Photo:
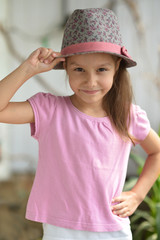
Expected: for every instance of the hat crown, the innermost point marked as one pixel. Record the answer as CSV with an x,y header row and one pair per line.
x,y
92,25
93,30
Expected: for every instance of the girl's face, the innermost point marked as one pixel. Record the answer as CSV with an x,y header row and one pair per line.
x,y
91,76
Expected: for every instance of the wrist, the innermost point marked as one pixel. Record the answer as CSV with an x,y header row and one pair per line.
x,y
27,70
139,196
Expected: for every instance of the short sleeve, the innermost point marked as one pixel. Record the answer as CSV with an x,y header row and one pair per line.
x,y
43,105
140,125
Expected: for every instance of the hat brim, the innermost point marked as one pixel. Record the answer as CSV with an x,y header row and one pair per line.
x,y
97,47
128,62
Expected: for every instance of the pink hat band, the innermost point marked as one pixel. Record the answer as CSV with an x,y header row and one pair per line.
x,y
91,47
93,30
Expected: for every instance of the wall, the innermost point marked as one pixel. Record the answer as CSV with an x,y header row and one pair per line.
x,y
33,23
5,167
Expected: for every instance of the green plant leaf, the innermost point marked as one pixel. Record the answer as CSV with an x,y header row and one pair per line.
x,y
155,191
158,219
152,237
143,227
151,204
139,214
159,132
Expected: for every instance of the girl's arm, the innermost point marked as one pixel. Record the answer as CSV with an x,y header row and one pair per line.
x,y
39,61
127,202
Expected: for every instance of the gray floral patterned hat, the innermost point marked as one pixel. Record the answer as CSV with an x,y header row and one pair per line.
x,y
93,30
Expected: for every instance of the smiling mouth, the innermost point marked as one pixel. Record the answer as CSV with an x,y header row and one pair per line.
x,y
90,91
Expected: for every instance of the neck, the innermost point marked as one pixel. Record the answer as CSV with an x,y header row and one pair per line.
x,y
91,109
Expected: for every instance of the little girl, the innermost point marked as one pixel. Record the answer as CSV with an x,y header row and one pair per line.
x,y
84,139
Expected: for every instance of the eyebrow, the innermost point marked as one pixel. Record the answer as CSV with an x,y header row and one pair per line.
x,y
105,64
74,63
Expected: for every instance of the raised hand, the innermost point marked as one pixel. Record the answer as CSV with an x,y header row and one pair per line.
x,y
43,60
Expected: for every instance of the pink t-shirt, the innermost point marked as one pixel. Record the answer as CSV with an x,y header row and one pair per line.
x,y
82,165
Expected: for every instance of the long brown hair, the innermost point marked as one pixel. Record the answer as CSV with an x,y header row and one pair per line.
x,y
117,102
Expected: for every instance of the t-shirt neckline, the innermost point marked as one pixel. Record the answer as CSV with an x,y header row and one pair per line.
x,y
84,115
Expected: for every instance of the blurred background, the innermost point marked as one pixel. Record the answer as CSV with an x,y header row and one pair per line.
x,y
27,25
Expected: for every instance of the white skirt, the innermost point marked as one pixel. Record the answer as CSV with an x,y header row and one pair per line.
x,y
57,233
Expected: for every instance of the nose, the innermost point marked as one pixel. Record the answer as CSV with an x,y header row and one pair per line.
x,y
91,80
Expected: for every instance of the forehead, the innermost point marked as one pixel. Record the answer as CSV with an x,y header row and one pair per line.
x,y
91,58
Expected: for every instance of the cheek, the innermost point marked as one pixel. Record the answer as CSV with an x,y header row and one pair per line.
x,y
73,84
108,82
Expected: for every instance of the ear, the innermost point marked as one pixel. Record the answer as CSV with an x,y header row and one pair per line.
x,y
118,63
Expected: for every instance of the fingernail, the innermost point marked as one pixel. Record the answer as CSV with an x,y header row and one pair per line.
x,y
54,55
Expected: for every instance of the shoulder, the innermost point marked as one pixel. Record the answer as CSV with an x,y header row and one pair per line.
x,y
41,97
138,114
136,110
46,99
44,106
47,103
140,124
